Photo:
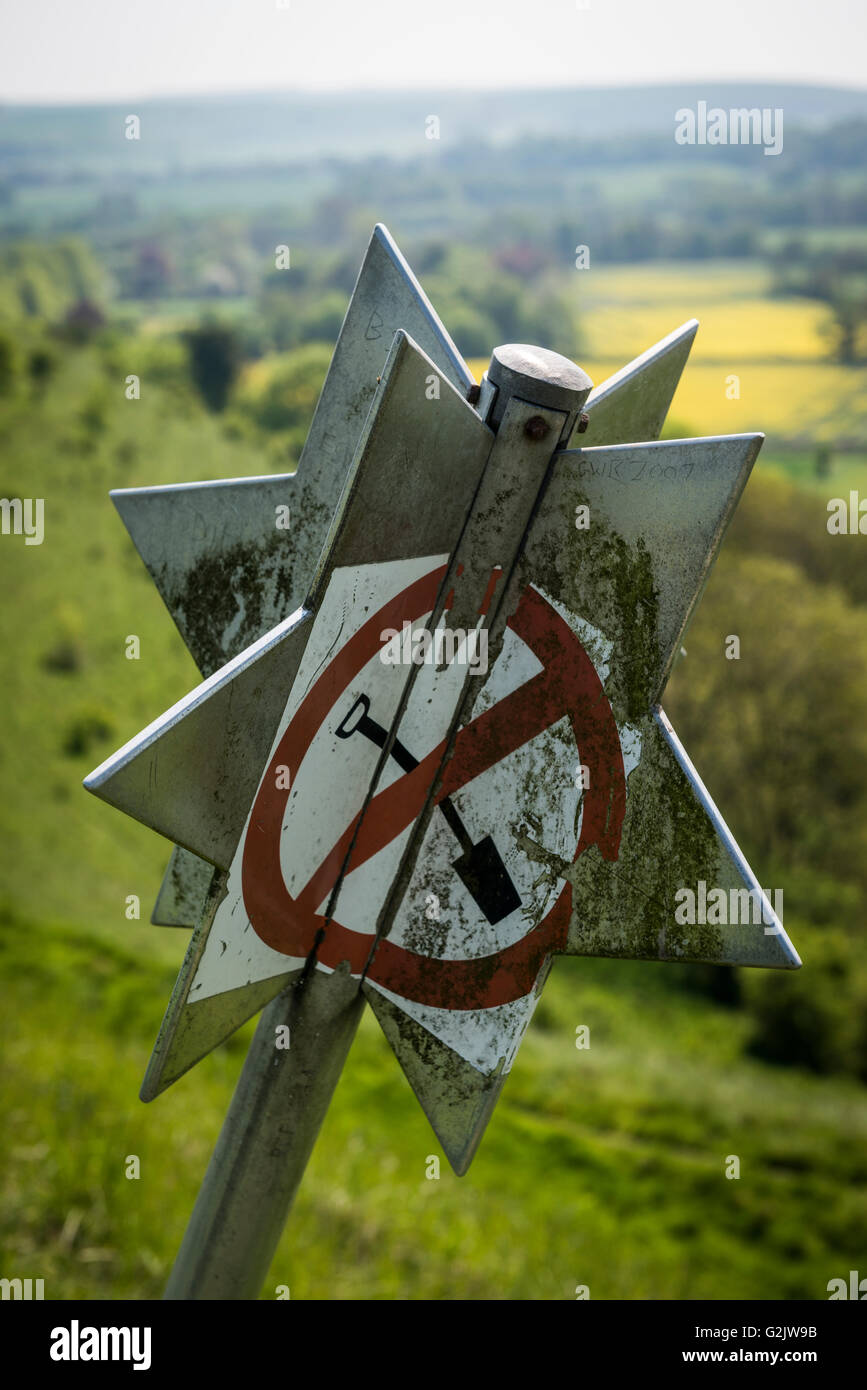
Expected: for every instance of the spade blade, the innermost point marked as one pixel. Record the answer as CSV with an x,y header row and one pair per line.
x,y
483,874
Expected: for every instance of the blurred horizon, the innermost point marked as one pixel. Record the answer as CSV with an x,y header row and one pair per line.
x,y
292,129
300,92
105,51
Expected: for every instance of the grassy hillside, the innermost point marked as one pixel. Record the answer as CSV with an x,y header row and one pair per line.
x,y
603,1167
70,694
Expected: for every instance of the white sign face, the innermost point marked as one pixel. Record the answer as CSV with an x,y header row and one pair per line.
x,y
318,793
480,916
463,957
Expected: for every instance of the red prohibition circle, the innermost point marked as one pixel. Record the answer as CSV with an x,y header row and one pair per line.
x,y
568,685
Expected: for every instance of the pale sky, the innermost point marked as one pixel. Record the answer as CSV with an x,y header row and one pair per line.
x,y
111,50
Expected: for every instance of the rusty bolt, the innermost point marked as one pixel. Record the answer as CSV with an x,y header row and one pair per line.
x,y
473,393
583,422
536,427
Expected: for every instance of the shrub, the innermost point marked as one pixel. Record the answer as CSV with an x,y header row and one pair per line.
x,y
215,360
814,1017
89,726
289,398
7,364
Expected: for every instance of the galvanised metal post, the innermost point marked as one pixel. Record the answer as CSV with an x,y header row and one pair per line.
x,y
283,1094
267,1137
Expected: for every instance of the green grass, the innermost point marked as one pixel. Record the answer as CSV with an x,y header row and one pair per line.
x,y
79,595
603,1167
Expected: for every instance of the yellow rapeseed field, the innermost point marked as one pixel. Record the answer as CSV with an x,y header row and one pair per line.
x,y
758,363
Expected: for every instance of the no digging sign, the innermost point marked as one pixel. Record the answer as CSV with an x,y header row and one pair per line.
x,y
469,940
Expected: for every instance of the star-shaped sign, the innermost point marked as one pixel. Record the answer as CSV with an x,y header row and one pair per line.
x,y
228,574
448,764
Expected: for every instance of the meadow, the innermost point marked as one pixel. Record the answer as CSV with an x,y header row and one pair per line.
x,y
603,1167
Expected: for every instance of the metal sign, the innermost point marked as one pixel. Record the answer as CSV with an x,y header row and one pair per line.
x,y
199,540
448,764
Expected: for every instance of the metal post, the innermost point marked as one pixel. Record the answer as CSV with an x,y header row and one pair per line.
x,y
267,1137
282,1095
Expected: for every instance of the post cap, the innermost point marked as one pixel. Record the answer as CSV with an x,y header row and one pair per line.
x,y
538,375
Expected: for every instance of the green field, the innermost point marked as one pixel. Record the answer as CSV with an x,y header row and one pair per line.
x,y
603,1167
757,363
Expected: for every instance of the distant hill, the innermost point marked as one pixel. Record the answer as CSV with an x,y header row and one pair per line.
x,y
206,132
